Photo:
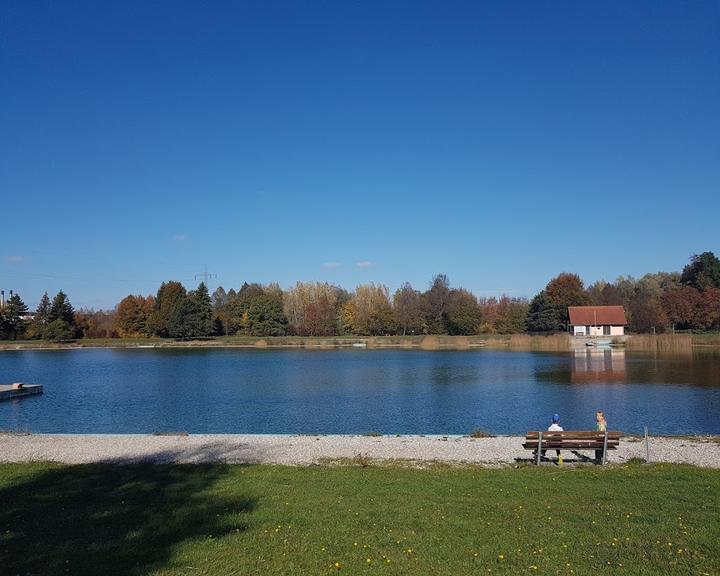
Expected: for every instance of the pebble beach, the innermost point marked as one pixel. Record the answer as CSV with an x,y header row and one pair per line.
x,y
301,450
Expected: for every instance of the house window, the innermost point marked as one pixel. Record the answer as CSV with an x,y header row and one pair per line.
x,y
606,330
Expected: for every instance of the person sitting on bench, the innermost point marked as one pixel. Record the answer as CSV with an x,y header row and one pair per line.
x,y
554,427
600,426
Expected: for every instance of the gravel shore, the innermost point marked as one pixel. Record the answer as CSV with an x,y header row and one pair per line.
x,y
307,450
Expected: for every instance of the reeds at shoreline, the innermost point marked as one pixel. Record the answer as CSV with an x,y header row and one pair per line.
x,y
660,342
549,343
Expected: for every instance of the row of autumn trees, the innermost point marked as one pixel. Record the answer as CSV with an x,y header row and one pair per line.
x,y
687,300
317,309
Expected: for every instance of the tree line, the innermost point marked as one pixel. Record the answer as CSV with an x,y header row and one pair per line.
x,y
317,309
664,301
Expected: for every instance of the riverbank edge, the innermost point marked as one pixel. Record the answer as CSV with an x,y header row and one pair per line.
x,y
520,342
308,450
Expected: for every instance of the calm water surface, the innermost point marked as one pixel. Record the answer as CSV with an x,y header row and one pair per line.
x,y
358,391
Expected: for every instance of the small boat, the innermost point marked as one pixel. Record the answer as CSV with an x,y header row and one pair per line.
x,y
604,343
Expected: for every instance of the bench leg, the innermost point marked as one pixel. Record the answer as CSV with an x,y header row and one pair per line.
x,y
604,453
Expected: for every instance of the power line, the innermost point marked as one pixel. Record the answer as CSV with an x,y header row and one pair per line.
x,y
205,276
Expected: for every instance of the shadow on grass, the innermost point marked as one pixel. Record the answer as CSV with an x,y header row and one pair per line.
x,y
109,519
579,458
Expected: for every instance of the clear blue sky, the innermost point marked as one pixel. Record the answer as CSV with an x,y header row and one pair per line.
x,y
499,143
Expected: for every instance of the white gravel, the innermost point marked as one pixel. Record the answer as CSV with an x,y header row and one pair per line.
x,y
307,450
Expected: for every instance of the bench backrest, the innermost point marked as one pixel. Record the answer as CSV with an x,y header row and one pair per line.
x,y
584,436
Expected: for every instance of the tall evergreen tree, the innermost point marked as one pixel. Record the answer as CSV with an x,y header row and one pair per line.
x,y
61,309
240,307
13,316
169,297
182,324
543,315
193,317
40,319
203,309
266,317
60,319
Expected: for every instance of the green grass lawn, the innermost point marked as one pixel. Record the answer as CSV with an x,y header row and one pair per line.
x,y
145,519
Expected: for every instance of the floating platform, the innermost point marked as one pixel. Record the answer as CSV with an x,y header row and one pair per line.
x,y
10,391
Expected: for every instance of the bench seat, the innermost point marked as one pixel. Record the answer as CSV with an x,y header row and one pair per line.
x,y
540,440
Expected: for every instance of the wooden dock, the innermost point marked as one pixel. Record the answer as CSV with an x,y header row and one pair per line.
x,y
10,391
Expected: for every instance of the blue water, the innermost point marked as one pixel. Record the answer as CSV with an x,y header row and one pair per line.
x,y
357,391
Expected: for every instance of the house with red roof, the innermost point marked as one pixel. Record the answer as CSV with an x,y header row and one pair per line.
x,y
597,320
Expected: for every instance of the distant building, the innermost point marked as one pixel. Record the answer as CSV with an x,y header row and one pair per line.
x,y
597,320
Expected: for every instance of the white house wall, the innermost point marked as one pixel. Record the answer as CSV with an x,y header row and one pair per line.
x,y
598,331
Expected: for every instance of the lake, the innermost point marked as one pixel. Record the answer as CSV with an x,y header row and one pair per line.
x,y
358,391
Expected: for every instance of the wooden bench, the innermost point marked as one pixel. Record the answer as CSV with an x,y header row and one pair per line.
x,y
542,440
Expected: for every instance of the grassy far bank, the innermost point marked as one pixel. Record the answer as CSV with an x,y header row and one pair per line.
x,y
441,342
144,519
555,342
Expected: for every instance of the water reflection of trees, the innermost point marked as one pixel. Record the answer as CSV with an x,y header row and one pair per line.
x,y
615,366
